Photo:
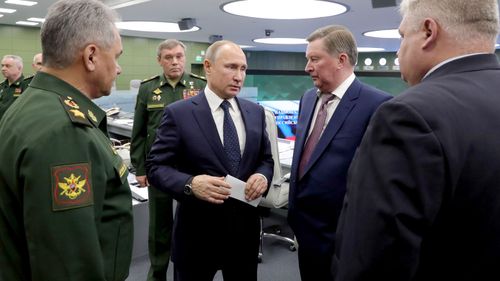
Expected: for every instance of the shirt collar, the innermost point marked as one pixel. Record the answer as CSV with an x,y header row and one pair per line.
x,y
447,61
342,88
214,101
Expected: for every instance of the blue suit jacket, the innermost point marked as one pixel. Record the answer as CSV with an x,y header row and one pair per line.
x,y
187,144
315,200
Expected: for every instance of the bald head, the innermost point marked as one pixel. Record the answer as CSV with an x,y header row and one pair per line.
x,y
37,62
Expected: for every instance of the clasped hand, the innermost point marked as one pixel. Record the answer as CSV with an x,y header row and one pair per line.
x,y
216,190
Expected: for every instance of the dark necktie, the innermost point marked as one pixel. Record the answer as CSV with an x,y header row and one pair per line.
x,y
313,139
231,143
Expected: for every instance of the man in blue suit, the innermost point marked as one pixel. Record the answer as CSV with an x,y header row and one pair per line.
x,y
198,143
423,193
332,120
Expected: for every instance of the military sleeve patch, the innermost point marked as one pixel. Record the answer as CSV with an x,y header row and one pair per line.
x,y
71,187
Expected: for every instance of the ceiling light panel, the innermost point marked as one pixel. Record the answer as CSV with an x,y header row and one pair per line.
x,y
284,9
29,23
151,26
7,11
21,2
370,49
37,19
386,33
281,41
116,4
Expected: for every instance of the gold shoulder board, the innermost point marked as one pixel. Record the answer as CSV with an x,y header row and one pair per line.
x,y
150,78
198,76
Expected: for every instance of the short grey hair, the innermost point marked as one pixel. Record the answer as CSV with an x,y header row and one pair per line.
x,y
169,44
70,25
17,59
337,39
463,19
213,50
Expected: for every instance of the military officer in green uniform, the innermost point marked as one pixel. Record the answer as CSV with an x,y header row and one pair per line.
x,y
13,86
65,203
154,94
36,65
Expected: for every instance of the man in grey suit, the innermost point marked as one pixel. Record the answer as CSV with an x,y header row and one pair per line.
x,y
195,148
328,134
423,193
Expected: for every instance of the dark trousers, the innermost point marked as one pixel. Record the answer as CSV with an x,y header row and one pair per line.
x,y
160,233
314,267
234,272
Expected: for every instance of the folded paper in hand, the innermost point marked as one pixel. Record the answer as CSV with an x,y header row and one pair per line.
x,y
238,190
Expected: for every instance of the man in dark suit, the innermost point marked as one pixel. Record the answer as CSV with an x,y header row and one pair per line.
x,y
332,120
199,142
423,194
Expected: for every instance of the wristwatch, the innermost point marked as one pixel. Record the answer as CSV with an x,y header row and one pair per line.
x,y
188,190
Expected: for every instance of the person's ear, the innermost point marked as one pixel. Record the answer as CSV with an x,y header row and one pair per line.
x,y
90,57
207,65
431,32
343,59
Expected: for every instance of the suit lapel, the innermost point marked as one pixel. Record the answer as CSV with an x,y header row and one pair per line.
x,y
250,141
206,124
345,106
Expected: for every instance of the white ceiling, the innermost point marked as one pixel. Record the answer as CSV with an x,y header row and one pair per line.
x,y
360,17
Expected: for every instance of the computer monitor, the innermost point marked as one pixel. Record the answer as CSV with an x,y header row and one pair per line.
x,y
287,113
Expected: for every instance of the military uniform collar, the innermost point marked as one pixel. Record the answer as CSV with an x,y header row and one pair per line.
x,y
183,80
15,84
18,81
71,97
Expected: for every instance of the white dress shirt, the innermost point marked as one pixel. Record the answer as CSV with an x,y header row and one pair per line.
x,y
331,105
214,101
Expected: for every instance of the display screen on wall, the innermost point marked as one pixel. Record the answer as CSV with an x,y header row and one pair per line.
x,y
291,85
280,91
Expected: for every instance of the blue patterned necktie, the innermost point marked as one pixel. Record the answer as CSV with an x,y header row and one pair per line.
x,y
231,142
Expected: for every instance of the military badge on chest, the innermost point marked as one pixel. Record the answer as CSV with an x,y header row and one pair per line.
x,y
17,92
156,100
190,91
157,95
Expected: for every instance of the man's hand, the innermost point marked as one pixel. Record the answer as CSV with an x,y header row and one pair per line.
x,y
142,181
212,189
255,187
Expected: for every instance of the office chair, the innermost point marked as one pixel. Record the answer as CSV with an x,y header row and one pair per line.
x,y
277,196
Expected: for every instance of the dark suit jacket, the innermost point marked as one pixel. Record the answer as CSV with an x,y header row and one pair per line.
x,y
187,145
423,195
315,200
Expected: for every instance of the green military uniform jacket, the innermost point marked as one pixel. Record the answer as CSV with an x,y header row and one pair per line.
x,y
65,203
154,94
9,93
27,80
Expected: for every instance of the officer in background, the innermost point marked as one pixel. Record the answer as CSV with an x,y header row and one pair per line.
x,y
13,85
36,65
154,94
37,62
65,202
